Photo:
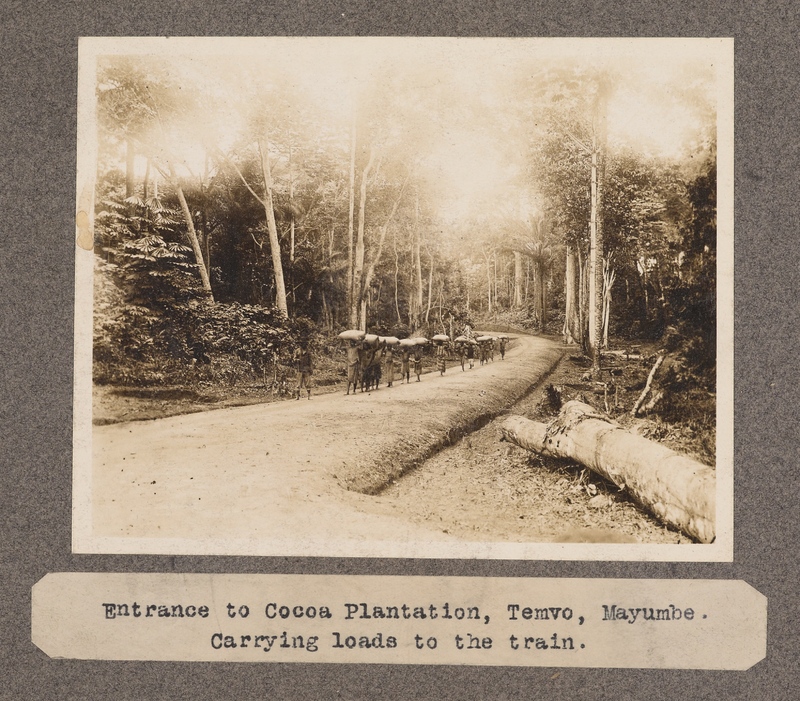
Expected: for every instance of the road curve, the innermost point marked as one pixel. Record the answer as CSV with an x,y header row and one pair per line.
x,y
270,479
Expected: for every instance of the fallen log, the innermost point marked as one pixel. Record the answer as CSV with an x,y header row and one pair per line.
x,y
678,490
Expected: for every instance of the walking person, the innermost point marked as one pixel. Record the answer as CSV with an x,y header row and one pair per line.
x,y
462,354
405,365
353,365
503,341
471,354
441,365
375,368
366,355
304,366
389,369
418,362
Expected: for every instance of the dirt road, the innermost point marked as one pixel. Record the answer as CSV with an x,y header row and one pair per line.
x,y
279,478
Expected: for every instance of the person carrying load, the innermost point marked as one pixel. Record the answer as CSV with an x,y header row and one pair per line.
x,y
484,344
390,344
418,362
353,339
419,345
440,340
471,353
461,344
406,347
503,341
371,355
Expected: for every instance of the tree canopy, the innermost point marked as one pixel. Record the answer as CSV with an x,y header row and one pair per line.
x,y
400,185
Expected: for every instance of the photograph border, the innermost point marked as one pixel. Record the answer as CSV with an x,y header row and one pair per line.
x,y
83,540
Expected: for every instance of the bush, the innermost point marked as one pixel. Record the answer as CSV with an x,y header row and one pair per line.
x,y
187,341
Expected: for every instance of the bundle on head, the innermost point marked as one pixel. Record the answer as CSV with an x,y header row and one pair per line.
x,y
352,335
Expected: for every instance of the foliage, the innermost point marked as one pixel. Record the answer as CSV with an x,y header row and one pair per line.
x,y
197,125
692,298
150,267
151,319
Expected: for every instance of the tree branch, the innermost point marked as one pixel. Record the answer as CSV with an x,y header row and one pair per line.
x,y
384,229
241,177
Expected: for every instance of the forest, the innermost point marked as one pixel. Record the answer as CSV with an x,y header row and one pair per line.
x,y
245,204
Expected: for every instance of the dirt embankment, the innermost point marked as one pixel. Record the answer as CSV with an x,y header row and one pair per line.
x,y
418,423
484,489
276,471
434,415
505,493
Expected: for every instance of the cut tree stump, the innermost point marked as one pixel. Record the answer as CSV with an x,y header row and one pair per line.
x,y
678,490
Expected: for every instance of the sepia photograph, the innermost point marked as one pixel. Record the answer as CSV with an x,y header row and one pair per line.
x,y
405,297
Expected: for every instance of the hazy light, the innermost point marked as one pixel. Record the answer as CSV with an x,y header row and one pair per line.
x,y
653,127
451,103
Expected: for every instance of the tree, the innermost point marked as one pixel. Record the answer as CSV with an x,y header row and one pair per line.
x,y
142,103
532,239
596,228
357,294
269,209
361,293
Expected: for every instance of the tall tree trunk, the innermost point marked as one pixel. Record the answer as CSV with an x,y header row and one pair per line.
x,y
527,277
430,288
495,280
419,287
192,233
418,257
440,300
206,234
333,310
396,280
274,244
488,283
609,275
292,233
583,303
362,315
537,293
351,217
356,309
593,256
518,280
418,294
572,328
147,181
598,302
291,210
596,223
377,257
326,320
543,291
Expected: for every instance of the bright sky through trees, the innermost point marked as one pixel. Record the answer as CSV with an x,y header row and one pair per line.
x,y
465,100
